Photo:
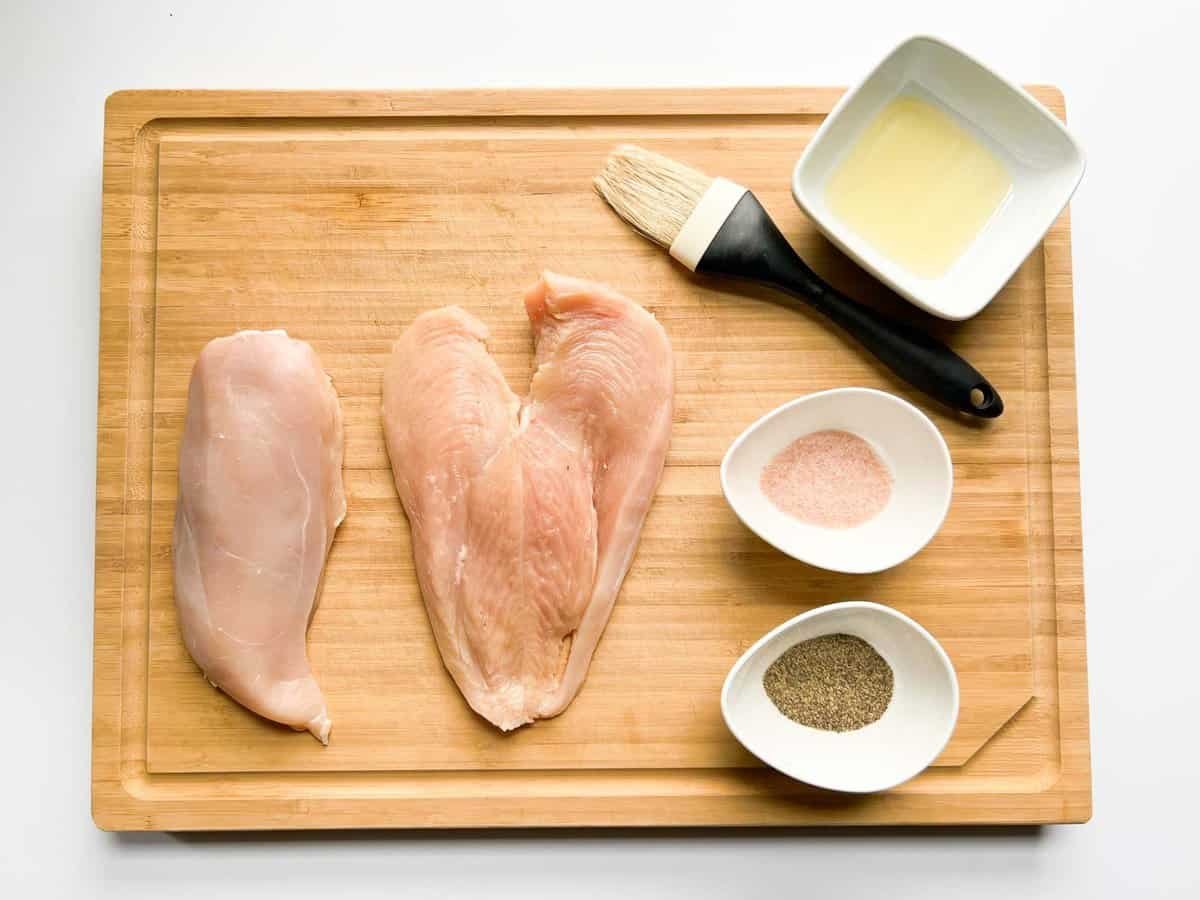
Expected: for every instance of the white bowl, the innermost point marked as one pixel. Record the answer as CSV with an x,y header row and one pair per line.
x,y
904,438
906,739
1043,160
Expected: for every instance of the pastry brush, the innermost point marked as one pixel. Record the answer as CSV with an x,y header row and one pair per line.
x,y
716,227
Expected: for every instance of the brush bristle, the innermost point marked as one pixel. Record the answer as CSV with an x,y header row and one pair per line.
x,y
653,193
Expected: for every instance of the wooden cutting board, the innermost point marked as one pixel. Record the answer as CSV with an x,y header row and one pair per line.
x,y
340,217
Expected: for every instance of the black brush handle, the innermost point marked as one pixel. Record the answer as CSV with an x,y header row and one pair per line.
x,y
749,245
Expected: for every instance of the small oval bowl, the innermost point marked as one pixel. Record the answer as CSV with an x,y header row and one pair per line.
x,y
899,745
905,439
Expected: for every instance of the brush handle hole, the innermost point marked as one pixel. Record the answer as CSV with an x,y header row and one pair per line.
x,y
982,396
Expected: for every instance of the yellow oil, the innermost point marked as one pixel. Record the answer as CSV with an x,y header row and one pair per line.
x,y
918,186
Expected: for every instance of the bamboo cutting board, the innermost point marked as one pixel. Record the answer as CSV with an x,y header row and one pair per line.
x,y
340,217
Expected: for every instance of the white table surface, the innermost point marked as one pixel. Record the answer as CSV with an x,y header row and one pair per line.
x,y
1126,75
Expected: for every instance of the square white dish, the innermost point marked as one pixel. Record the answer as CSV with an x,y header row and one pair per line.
x,y
1043,160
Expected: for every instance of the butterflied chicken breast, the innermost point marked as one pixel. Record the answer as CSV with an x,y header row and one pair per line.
x,y
260,496
525,514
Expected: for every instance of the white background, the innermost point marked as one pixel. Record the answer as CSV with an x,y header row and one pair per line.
x,y
1129,73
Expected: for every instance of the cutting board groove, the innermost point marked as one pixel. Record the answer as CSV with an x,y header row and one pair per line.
x,y
341,216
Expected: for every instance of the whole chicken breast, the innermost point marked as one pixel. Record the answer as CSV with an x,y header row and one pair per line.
x,y
260,496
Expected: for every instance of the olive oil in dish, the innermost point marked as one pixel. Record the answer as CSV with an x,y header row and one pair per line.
x,y
918,186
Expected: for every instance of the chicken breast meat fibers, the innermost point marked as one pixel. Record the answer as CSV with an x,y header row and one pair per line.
x,y
525,513
260,496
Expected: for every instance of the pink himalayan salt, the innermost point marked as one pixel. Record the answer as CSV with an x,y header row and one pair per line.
x,y
829,478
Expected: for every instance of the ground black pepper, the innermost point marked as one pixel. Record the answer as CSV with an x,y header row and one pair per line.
x,y
835,682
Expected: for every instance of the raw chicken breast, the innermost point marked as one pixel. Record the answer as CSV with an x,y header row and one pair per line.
x,y
525,515
260,496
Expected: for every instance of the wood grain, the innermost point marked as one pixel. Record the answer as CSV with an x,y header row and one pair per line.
x,y
342,216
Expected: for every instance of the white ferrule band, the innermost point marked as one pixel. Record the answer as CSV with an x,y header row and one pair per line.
x,y
705,221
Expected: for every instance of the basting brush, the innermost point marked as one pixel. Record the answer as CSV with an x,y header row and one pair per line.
x,y
716,227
